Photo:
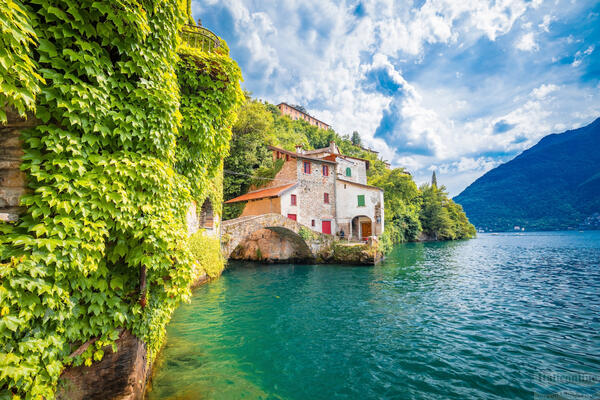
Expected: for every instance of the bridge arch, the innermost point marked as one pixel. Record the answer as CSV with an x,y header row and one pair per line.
x,y
273,244
273,227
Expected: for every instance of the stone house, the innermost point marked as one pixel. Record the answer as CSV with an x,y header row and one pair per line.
x,y
322,189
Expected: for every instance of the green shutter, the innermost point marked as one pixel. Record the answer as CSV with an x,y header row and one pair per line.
x,y
348,172
361,200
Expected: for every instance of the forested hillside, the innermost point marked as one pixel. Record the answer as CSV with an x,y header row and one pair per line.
x,y
409,210
553,185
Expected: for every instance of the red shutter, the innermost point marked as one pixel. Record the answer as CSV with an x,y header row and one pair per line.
x,y
326,198
326,227
293,199
306,167
292,216
325,170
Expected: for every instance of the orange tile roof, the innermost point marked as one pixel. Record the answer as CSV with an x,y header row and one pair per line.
x,y
261,194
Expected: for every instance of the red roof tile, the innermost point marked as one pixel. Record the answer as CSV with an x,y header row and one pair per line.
x,y
261,194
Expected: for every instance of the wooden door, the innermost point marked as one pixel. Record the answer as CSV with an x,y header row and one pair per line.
x,y
292,216
326,227
365,228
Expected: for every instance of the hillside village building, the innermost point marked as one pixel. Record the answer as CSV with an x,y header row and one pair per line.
x,y
296,114
322,189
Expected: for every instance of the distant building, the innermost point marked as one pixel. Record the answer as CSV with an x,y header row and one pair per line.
x,y
322,189
370,150
296,114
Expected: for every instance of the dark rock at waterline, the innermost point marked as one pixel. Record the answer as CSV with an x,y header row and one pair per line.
x,y
119,375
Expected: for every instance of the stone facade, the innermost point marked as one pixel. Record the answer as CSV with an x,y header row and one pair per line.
x,y
312,209
12,179
287,174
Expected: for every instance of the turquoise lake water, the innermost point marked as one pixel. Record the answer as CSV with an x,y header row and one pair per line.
x,y
508,316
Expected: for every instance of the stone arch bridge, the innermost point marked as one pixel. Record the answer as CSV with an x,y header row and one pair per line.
x,y
272,237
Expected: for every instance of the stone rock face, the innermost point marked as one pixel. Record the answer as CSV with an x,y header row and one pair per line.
x,y
121,375
12,180
351,253
269,245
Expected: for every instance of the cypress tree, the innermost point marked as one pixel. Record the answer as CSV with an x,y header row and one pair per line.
x,y
433,179
356,140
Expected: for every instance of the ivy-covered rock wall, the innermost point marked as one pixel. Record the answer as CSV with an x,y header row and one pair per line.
x,y
129,135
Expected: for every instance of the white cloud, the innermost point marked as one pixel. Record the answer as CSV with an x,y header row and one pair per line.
x,y
317,53
542,91
580,55
527,42
545,25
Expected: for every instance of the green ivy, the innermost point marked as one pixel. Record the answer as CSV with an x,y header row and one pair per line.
x,y
19,81
112,169
206,250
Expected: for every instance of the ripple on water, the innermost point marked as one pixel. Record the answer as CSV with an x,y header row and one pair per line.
x,y
479,319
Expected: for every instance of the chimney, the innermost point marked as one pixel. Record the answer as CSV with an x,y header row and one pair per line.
x,y
299,149
332,147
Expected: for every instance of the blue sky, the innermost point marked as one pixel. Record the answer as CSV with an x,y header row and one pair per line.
x,y
455,86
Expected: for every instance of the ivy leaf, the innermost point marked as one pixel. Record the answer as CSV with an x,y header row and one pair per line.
x,y
116,282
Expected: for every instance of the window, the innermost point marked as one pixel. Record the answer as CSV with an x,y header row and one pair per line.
x,y
361,200
306,167
287,157
326,198
348,171
325,170
293,199
312,222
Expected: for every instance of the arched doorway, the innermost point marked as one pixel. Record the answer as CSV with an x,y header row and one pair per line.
x,y
362,228
206,219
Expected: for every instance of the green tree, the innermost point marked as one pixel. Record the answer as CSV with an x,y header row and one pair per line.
x,y
434,217
433,179
356,139
248,152
402,204
441,218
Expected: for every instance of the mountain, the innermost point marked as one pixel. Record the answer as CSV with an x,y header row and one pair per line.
x,y
553,185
